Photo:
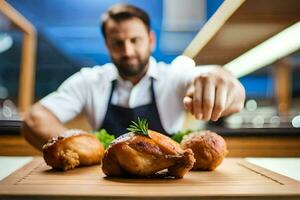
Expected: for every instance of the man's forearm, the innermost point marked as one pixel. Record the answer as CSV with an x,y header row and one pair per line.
x,y
40,125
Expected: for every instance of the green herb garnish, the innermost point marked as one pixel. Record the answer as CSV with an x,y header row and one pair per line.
x,y
104,137
180,134
139,127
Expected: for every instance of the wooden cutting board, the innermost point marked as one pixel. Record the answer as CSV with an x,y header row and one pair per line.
x,y
234,179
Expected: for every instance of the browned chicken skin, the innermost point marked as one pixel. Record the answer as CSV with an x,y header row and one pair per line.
x,y
71,149
141,155
208,147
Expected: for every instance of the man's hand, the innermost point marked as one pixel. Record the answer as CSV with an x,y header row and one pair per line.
x,y
214,94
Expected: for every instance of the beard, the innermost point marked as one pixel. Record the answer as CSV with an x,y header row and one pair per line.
x,y
131,66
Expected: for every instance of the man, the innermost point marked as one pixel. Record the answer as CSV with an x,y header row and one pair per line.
x,y
135,85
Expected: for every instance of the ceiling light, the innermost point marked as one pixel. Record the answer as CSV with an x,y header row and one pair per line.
x,y
6,42
280,45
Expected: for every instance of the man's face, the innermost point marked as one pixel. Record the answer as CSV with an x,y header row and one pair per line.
x,y
130,45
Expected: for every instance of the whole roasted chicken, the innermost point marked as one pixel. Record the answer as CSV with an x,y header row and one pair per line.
x,y
145,153
72,149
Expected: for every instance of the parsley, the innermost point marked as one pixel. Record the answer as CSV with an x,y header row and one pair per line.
x,y
180,134
104,137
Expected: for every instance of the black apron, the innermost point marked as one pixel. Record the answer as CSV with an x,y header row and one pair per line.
x,y
118,118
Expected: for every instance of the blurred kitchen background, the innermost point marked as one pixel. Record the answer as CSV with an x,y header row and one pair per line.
x,y
68,38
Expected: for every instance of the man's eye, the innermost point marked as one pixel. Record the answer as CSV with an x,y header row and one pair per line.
x,y
116,43
135,40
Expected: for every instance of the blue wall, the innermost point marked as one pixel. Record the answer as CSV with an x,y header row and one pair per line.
x,y
70,38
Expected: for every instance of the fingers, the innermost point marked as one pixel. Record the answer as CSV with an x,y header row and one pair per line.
x,y
235,102
197,98
188,104
188,99
221,102
208,99
214,95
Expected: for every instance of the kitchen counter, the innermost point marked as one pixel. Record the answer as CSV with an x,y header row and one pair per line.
x,y
9,164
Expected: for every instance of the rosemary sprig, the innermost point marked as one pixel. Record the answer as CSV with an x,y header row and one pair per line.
x,y
139,127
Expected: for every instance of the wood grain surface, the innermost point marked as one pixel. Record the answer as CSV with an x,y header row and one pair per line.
x,y
234,179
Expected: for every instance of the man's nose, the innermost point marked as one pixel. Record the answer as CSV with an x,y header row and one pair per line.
x,y
128,48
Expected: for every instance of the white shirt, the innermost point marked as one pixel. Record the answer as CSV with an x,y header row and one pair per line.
x,y
88,91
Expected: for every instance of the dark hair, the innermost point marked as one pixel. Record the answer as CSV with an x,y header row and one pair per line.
x,y
121,12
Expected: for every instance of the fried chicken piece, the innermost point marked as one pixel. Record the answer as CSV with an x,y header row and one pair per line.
x,y
141,155
209,149
72,149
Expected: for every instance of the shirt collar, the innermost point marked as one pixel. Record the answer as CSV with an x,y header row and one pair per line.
x,y
152,70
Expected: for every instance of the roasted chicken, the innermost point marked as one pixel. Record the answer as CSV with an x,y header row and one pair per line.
x,y
145,155
71,149
208,147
